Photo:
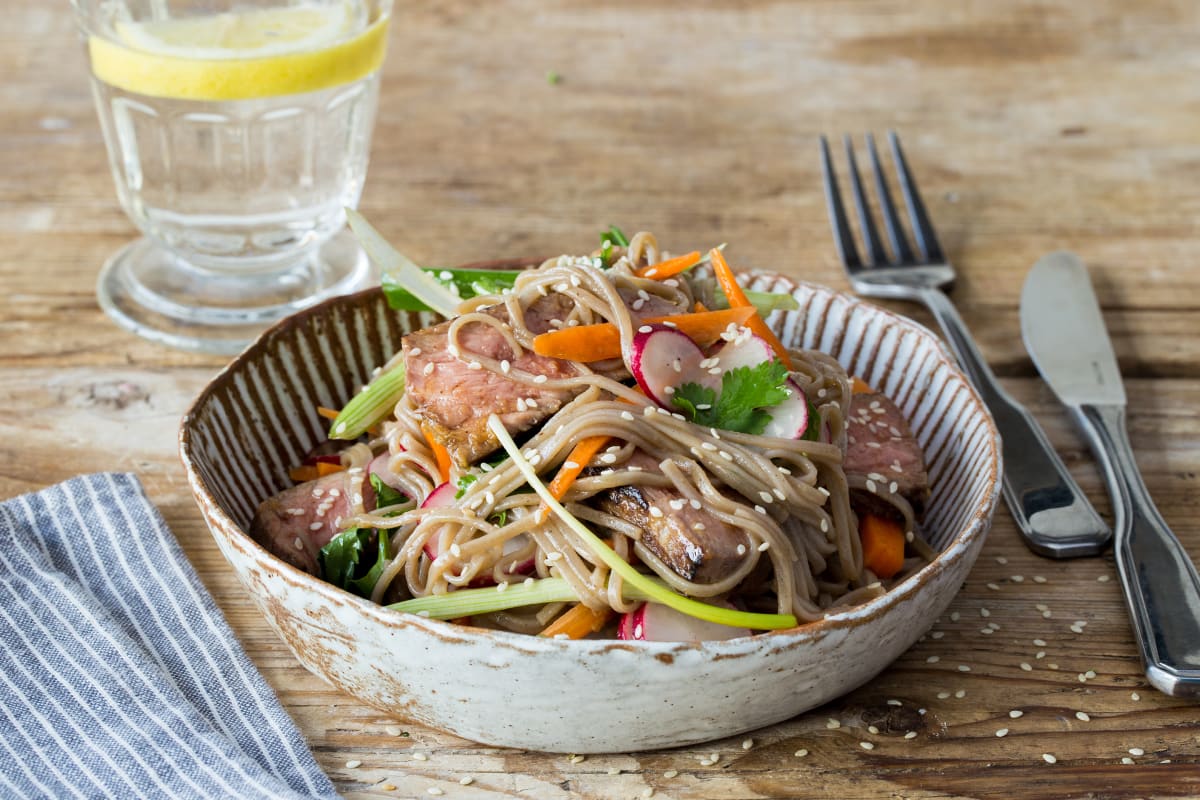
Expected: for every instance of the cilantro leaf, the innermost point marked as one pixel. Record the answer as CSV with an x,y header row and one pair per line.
x,y
385,495
813,432
342,559
746,393
615,235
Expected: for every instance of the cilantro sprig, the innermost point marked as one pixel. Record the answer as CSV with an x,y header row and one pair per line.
x,y
746,394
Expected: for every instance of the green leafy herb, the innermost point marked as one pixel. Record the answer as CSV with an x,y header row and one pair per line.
x,y
342,560
614,235
462,283
464,482
385,495
746,393
813,432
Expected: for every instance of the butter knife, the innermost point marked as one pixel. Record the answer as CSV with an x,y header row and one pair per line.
x,y
1065,334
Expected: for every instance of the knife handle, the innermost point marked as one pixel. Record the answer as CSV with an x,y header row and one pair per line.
x,y
1158,578
1052,514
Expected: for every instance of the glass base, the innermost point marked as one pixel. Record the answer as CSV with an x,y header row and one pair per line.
x,y
152,292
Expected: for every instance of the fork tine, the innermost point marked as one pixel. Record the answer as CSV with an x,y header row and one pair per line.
x,y
891,219
842,234
922,227
878,256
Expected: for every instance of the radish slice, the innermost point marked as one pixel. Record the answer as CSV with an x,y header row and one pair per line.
x,y
745,351
789,419
661,359
441,497
654,622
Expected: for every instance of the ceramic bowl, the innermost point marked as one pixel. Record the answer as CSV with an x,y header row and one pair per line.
x,y
258,417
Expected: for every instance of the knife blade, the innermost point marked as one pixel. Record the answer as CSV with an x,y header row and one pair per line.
x,y
1065,335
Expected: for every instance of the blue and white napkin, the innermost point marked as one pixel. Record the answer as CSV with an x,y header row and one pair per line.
x,y
119,677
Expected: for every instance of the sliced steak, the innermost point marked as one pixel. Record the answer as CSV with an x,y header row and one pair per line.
x,y
454,401
695,544
881,448
284,523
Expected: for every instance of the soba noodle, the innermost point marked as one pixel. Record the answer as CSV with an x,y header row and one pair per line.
x,y
790,497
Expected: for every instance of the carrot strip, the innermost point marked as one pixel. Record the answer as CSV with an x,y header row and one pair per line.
x,y
882,544
602,341
737,299
327,413
439,452
672,266
310,472
577,622
583,452
859,386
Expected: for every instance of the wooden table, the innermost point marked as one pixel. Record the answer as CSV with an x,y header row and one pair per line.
x,y
1032,126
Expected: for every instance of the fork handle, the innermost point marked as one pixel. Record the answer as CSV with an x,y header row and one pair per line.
x,y
1053,515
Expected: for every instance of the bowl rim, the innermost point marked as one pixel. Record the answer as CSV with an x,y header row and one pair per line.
x,y
768,641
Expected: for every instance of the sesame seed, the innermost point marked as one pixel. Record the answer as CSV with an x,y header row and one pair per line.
x,y
963,668
1103,579
1134,696
1002,733
760,509
983,612
1127,760
1082,716
893,486
1026,666
943,695
1001,560
933,659
832,724
298,543
353,763
741,549
993,587
937,634
655,512
316,526
1091,673
867,745
801,753
954,616
894,703
455,550
871,486
747,744
1016,713
474,365
466,780
625,415
540,379
1049,758
435,791
1039,578
725,454
608,458
394,730
1040,642
762,548
420,757
671,773
766,497
910,735
960,694
1136,751
872,729
645,329
694,503
575,759
824,525
428,369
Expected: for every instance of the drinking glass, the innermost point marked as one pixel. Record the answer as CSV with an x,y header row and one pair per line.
x,y
238,132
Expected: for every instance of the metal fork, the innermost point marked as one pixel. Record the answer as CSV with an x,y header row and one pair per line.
x,y
1050,510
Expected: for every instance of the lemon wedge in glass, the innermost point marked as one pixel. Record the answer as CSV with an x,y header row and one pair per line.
x,y
241,54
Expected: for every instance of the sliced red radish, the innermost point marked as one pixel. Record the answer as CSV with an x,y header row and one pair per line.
x,y
441,497
379,468
662,358
747,350
654,622
789,419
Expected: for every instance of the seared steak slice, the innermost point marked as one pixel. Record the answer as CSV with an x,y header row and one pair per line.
x,y
695,544
284,524
454,401
882,449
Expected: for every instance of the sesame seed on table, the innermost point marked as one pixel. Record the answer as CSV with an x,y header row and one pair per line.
x,y
1031,127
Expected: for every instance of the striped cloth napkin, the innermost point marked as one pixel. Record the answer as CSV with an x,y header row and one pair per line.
x,y
119,677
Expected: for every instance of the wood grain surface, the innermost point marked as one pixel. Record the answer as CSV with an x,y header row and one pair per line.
x,y
1031,125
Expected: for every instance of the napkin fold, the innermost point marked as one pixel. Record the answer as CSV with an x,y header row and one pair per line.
x,y
119,677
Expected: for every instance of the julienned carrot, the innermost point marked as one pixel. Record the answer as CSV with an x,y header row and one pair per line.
x,y
672,266
577,622
737,299
310,472
859,386
583,452
328,413
439,452
602,341
882,544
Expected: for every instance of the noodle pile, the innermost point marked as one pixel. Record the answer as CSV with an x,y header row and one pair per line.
x,y
789,497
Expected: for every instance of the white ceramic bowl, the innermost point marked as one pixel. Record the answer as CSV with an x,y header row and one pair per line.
x,y
258,417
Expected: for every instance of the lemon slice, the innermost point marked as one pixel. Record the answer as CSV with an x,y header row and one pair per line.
x,y
240,55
